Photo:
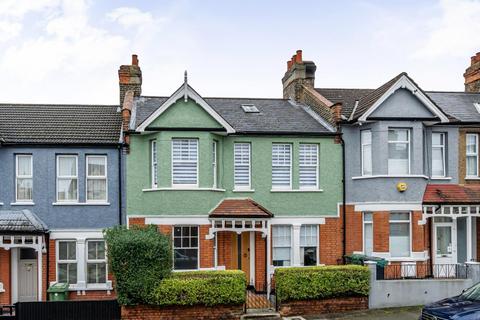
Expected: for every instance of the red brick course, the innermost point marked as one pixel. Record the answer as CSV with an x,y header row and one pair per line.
x,y
381,231
5,276
331,241
354,225
181,312
317,307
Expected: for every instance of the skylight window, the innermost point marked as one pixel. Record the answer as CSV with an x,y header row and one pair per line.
x,y
249,108
477,106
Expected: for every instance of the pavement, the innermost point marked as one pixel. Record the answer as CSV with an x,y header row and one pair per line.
x,y
405,313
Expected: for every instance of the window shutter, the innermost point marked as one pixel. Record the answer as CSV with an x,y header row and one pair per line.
x,y
242,165
281,165
308,165
184,161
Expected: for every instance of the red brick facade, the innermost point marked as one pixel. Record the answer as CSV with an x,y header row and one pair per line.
x,y
181,313
5,276
315,307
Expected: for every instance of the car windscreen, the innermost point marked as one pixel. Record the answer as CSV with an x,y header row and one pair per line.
x,y
472,293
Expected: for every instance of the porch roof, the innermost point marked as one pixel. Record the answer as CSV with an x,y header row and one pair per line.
x,y
451,194
21,222
239,208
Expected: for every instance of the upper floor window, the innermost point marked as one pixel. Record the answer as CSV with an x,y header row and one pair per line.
x,y
242,165
472,155
185,162
281,166
438,154
154,163
399,234
398,151
97,178
308,166
96,262
67,178
214,163
308,245
24,178
281,245
366,145
185,247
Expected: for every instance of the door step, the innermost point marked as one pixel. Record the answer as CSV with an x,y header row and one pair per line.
x,y
261,314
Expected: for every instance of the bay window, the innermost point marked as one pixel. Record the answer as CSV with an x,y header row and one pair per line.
x,y
96,262
472,155
67,261
399,234
308,245
308,166
96,178
282,245
366,149
438,154
185,162
242,165
281,166
398,151
185,247
24,178
67,178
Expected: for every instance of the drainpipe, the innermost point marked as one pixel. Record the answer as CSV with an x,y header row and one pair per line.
x,y
47,278
344,193
120,185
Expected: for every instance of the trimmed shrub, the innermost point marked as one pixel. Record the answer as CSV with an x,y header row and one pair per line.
x,y
139,258
312,283
208,288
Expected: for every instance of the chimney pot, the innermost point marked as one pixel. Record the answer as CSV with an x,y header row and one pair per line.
x,y
289,64
298,56
134,60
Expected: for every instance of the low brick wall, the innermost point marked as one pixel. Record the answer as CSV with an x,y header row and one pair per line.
x,y
143,312
314,307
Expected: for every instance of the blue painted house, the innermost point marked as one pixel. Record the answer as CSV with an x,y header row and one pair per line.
x,y
60,186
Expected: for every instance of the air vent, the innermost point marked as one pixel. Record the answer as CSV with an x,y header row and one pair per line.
x,y
477,106
249,108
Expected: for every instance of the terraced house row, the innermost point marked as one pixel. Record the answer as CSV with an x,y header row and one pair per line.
x,y
240,183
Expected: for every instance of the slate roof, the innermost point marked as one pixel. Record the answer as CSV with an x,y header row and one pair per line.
x,y
451,193
457,104
21,221
275,116
59,124
241,208
347,96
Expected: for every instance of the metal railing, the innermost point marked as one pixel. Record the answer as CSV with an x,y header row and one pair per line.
x,y
422,271
7,312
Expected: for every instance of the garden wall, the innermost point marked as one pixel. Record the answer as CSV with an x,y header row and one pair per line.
x,y
314,307
142,312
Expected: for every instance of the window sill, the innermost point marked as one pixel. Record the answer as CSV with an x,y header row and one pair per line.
x,y
1,203
296,190
81,204
441,178
90,287
22,204
390,176
243,190
183,189
472,178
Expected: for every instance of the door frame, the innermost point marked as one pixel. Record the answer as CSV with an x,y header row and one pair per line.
x,y
14,274
453,225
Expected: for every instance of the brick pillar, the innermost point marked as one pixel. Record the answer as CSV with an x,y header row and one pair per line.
x,y
260,266
418,233
224,244
354,225
207,254
5,297
381,231
331,241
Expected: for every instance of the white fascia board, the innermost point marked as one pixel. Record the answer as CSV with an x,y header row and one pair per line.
x,y
184,92
372,206
405,83
76,234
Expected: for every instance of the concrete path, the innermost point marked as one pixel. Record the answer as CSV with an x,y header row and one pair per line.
x,y
406,313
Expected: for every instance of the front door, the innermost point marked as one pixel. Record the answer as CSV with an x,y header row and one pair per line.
x,y
445,249
245,255
27,275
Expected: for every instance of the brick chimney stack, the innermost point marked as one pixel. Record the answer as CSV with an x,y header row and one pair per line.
x,y
130,78
472,75
299,73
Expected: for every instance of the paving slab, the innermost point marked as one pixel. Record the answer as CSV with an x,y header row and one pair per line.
x,y
406,313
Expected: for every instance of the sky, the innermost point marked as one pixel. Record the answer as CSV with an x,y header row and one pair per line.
x,y
69,51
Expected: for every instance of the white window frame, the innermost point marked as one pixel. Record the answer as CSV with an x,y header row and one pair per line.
x,y
235,165
17,176
289,187
408,142
278,246
215,163
57,244
105,177
409,221
154,163
186,186
363,145
317,243
316,166
87,261
182,247
442,147
365,222
67,177
474,154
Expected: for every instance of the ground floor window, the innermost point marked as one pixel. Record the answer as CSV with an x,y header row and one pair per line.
x,y
368,233
67,262
96,262
399,234
282,245
185,247
308,245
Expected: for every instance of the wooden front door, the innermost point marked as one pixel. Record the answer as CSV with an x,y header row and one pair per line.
x,y
245,255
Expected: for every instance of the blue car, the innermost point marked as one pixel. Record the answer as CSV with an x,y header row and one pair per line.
x,y
463,307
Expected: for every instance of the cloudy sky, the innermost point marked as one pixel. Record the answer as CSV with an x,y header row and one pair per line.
x,y
68,51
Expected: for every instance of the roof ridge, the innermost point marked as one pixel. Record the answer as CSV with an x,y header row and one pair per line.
x,y
237,98
457,92
325,88
56,105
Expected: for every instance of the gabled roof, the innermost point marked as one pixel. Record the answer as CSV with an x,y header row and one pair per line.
x,y
239,208
451,194
21,221
59,124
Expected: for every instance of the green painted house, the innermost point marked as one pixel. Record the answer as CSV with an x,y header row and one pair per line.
x,y
250,184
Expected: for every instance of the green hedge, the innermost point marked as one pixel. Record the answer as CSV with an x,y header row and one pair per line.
x,y
139,258
208,288
311,283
